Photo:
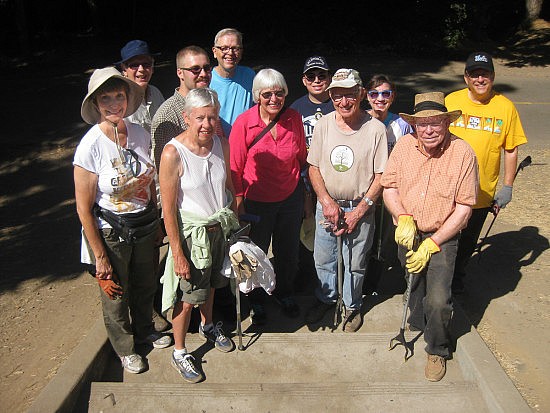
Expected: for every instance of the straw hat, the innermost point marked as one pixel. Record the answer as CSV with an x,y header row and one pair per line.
x,y
430,104
89,111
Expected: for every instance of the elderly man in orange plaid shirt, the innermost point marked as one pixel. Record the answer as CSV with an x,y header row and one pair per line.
x,y
430,185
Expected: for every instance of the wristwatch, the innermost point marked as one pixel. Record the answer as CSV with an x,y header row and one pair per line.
x,y
368,201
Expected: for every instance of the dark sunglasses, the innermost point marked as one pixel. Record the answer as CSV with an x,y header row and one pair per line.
x,y
135,66
196,70
131,159
267,95
312,76
373,94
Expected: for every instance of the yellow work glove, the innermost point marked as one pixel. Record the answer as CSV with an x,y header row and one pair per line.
x,y
417,260
405,231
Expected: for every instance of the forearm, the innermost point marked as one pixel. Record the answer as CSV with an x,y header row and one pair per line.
x,y
373,193
392,202
91,230
510,165
318,185
451,227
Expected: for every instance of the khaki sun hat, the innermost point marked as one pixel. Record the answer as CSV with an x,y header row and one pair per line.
x,y
89,111
430,104
346,78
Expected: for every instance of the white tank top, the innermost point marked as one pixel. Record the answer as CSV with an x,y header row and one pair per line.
x,y
202,185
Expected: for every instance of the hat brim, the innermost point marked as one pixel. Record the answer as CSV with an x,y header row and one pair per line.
x,y
411,119
89,111
346,84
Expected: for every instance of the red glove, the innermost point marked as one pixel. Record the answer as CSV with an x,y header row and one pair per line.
x,y
111,288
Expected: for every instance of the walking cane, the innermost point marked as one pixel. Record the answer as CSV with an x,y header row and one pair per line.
x,y
523,164
340,282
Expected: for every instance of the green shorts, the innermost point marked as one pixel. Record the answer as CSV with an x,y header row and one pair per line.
x,y
197,289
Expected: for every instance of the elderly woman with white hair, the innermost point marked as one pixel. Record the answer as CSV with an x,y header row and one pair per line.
x,y
114,189
268,151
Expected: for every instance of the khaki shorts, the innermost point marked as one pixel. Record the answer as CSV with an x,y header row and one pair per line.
x,y
197,289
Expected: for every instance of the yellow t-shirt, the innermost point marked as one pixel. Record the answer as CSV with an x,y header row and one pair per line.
x,y
489,129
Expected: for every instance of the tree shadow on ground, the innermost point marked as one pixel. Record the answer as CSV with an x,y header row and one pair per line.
x,y
496,270
527,48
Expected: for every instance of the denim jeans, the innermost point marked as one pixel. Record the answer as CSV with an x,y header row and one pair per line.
x,y
430,303
355,249
279,225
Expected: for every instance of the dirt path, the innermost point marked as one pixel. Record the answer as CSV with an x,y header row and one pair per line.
x,y
48,306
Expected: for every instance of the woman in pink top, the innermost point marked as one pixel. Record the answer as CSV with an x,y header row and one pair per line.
x,y
266,175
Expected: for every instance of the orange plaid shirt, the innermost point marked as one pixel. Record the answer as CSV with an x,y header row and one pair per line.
x,y
431,186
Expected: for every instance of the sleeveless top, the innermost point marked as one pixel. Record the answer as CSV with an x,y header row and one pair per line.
x,y
202,185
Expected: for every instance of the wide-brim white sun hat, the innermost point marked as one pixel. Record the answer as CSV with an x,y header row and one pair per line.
x,y
89,111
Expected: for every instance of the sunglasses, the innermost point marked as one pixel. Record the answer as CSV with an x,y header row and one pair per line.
x,y
196,70
131,159
312,76
386,94
135,66
267,95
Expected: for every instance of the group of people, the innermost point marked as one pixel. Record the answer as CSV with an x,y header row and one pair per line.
x,y
226,144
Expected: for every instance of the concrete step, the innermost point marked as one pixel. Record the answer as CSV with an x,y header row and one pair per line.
x,y
290,366
335,396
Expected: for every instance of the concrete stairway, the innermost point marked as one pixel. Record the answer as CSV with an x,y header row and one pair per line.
x,y
291,367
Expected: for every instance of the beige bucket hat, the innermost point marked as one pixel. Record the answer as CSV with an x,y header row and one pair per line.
x,y
89,111
427,105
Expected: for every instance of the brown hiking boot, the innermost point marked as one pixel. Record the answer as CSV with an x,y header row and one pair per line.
x,y
353,320
435,367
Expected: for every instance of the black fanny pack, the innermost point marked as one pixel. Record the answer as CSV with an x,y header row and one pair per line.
x,y
131,227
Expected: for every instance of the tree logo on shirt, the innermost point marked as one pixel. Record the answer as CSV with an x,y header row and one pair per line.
x,y
341,158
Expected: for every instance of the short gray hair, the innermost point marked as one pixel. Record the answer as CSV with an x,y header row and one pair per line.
x,y
266,79
200,98
228,31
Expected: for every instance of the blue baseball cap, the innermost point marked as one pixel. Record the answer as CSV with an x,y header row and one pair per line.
x,y
134,48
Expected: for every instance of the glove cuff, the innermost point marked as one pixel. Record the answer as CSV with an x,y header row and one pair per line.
x,y
432,245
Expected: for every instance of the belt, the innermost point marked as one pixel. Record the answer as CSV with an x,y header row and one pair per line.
x,y
213,227
344,203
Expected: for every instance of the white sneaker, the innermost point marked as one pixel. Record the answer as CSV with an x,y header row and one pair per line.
x,y
133,363
157,340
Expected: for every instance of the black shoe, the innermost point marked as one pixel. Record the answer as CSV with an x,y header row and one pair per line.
x,y
318,311
258,315
289,307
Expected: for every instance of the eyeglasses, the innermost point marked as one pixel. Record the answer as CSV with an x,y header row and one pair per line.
x,y
196,70
434,125
267,95
131,159
136,65
312,76
227,49
348,96
373,94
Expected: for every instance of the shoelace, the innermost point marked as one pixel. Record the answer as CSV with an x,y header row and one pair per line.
x,y
187,364
218,332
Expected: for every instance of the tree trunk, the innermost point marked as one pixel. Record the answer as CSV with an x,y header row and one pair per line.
x,y
533,8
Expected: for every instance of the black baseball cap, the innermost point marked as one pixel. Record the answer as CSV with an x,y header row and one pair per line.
x,y
480,60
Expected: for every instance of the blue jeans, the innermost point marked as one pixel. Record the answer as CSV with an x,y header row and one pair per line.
x,y
279,225
355,249
430,303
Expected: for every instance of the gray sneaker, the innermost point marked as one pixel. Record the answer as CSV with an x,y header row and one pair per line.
x,y
157,340
133,363
187,368
216,336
